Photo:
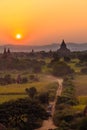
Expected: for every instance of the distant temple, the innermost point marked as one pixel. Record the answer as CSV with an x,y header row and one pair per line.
x,y
6,53
63,50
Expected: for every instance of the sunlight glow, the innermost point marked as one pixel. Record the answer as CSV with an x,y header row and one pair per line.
x,y
18,36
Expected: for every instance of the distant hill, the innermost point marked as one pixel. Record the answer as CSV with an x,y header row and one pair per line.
x,y
53,47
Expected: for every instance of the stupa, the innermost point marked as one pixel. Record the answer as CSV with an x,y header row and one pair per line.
x,y
63,50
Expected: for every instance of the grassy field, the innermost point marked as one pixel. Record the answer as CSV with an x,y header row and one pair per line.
x,y
82,100
15,91
82,103
79,108
72,64
6,98
80,82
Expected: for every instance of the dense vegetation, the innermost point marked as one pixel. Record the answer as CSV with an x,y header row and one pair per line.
x,y
65,117
23,114
24,77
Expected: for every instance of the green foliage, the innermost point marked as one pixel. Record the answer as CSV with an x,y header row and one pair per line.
x,y
83,57
80,83
66,115
68,95
21,64
23,114
33,78
56,57
82,100
7,79
61,69
67,59
64,126
24,80
44,98
31,92
82,124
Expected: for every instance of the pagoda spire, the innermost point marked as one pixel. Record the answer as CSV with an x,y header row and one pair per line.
x,y
5,50
63,44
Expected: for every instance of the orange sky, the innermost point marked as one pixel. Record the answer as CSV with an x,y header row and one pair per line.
x,y
43,21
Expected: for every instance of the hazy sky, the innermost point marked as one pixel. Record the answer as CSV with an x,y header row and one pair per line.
x,y
43,21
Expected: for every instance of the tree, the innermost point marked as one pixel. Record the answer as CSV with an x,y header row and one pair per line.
x,y
31,92
14,113
7,78
61,69
24,80
44,98
55,57
82,57
67,59
82,125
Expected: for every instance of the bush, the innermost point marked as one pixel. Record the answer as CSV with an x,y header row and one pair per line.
x,y
24,80
23,114
7,79
33,78
31,92
66,115
82,125
44,98
64,125
61,69
67,59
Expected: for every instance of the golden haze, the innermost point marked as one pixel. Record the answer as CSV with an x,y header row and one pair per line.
x,y
43,21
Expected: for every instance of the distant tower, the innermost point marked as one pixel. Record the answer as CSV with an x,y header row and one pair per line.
x,y
63,45
8,51
4,51
32,51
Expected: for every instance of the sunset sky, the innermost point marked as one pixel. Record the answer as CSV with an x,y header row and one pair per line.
x,y
43,21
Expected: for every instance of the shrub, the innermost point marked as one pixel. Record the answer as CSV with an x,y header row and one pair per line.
x,y
24,80
82,125
14,113
31,92
7,79
33,78
66,115
61,69
67,59
44,98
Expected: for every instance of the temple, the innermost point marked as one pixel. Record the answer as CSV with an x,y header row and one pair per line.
x,y
6,53
63,50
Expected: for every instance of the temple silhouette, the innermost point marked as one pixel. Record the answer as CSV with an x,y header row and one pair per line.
x,y
63,50
6,53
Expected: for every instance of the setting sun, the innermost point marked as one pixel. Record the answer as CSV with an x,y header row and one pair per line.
x,y
18,36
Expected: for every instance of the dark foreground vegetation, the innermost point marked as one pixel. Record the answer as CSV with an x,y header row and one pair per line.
x,y
25,114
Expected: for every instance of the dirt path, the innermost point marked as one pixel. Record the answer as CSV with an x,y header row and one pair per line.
x,y
48,124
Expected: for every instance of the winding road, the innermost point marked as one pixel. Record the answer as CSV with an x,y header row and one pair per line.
x,y
48,124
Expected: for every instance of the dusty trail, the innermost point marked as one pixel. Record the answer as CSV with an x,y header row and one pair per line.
x,y
48,124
